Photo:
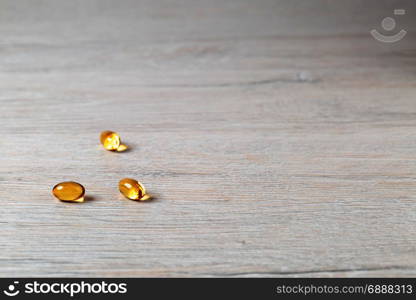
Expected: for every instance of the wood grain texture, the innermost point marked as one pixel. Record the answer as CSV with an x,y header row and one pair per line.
x,y
277,136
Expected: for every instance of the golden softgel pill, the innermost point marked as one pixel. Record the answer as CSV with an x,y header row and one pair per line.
x,y
110,140
69,191
133,190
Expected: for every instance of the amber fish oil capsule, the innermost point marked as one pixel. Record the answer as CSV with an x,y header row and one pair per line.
x,y
133,190
110,140
69,191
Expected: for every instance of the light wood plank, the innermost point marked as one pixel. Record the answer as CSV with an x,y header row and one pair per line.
x,y
277,137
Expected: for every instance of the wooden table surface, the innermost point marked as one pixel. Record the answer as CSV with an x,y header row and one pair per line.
x,y
278,137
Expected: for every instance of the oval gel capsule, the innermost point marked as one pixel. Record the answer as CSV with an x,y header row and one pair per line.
x,y
110,140
69,191
132,189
